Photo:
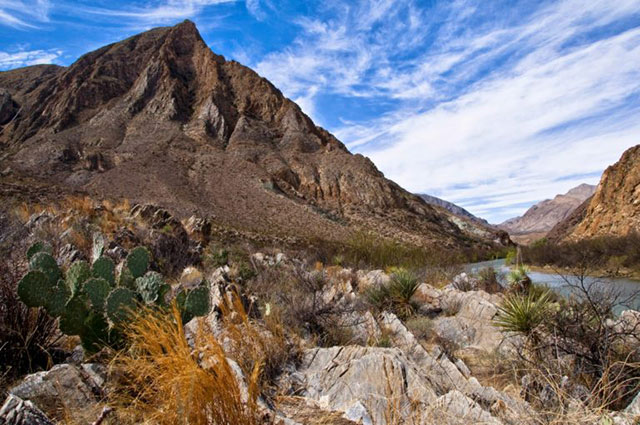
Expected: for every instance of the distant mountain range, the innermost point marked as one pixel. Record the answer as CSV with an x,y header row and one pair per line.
x,y
614,208
453,208
159,118
545,215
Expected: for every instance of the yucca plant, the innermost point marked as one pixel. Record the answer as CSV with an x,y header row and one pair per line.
x,y
397,294
523,313
519,279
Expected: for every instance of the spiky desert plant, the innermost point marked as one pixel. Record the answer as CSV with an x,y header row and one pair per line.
x,y
87,301
522,313
519,279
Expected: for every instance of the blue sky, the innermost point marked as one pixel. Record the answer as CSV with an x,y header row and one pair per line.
x,y
494,105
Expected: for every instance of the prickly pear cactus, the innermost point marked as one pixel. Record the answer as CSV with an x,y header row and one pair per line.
x,y
126,279
34,289
97,290
58,298
138,261
197,301
104,268
120,303
77,274
46,264
152,288
95,332
38,247
74,315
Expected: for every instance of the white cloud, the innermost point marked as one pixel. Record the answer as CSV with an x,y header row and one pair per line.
x,y
157,12
509,112
10,60
24,14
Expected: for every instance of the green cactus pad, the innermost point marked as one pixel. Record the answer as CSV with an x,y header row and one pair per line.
x,y
38,247
104,268
97,291
74,315
181,298
58,298
151,287
126,279
138,261
77,274
95,333
34,289
120,302
46,264
197,302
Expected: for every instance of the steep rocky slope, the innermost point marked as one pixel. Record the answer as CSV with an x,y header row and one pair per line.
x,y
160,118
614,208
543,216
453,208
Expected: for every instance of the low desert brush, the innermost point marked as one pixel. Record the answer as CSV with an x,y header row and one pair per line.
x,y
164,380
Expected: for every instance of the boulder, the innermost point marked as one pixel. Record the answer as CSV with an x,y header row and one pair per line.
x,y
65,385
366,384
16,411
371,279
454,408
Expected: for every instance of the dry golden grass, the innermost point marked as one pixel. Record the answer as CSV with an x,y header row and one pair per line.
x,y
256,347
163,380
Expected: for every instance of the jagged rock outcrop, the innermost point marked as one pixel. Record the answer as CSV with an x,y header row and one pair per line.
x,y
16,411
543,216
614,209
159,118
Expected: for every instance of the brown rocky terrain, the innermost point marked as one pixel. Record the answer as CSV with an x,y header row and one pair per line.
x,y
614,209
543,216
159,118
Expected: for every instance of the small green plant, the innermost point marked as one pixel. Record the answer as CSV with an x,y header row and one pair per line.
x,y
87,299
519,279
511,256
523,313
396,295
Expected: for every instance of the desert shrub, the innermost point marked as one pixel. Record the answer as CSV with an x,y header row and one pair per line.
x,y
396,295
28,337
298,295
522,313
488,280
511,256
214,256
264,345
608,254
164,380
464,283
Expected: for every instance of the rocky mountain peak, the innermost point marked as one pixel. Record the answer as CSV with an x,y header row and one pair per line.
x,y
160,118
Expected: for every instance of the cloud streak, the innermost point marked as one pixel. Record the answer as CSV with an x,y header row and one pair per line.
x,y
494,114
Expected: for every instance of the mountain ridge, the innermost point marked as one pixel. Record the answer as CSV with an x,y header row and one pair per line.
x,y
542,217
160,118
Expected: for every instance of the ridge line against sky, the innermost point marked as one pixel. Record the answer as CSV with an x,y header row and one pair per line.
x,y
491,105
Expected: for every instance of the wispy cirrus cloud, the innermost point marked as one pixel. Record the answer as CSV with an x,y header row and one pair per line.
x,y
492,111
24,14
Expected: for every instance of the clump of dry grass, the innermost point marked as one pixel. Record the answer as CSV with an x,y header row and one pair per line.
x,y
163,380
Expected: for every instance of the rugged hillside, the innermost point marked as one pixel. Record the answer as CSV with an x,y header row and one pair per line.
x,y
453,208
543,216
614,208
160,118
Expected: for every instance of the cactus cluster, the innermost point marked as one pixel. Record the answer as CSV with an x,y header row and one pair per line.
x,y
91,302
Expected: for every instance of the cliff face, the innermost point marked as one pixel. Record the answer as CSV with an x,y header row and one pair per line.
x,y
453,208
545,215
614,209
161,118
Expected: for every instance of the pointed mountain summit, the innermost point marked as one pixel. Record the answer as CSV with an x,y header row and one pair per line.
x,y
160,118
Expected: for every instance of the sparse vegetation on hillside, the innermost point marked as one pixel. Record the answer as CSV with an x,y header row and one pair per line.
x,y
607,255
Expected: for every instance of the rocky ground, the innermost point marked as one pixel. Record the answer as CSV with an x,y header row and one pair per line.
x,y
445,363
